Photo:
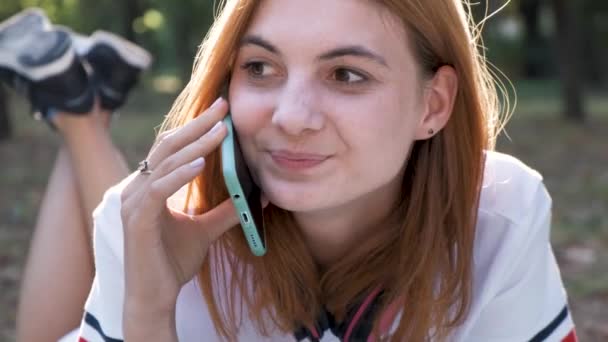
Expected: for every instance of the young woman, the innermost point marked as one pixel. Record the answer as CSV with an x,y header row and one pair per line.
x,y
369,126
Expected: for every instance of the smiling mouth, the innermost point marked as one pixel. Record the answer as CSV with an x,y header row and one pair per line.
x,y
297,161
296,155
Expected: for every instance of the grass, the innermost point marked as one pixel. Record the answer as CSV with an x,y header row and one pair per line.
x,y
542,99
572,158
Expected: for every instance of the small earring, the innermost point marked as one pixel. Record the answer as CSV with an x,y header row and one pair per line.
x,y
431,131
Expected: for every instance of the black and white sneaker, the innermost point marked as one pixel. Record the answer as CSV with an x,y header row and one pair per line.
x,y
116,64
19,25
43,65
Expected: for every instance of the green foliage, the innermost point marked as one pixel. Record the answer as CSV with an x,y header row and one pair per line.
x,y
173,30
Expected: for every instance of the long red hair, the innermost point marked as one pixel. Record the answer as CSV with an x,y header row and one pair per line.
x,y
425,264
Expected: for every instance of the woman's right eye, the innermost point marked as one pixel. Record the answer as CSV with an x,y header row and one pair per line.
x,y
257,69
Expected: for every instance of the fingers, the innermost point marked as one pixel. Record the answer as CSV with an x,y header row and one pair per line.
x,y
161,189
175,140
213,223
220,219
162,136
201,147
193,130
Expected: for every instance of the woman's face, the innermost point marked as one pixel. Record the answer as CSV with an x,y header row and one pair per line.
x,y
326,99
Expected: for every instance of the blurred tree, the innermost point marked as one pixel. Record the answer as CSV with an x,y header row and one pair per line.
x,y
594,32
172,31
568,49
132,10
534,46
5,123
7,8
89,15
188,22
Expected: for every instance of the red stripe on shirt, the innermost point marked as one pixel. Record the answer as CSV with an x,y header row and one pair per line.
x,y
571,337
366,303
80,339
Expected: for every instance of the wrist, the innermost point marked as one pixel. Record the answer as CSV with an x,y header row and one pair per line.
x,y
143,323
70,125
148,308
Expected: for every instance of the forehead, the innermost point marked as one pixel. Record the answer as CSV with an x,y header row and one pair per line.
x,y
326,23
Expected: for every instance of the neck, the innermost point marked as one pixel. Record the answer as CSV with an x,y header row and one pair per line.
x,y
333,232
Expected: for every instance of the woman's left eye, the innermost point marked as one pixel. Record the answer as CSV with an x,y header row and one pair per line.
x,y
348,76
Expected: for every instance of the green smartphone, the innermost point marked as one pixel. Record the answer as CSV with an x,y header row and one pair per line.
x,y
245,194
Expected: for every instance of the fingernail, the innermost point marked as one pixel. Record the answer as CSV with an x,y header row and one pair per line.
x,y
197,163
217,103
216,128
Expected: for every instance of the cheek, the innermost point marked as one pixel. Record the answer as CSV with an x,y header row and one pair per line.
x,y
380,138
382,149
373,124
248,112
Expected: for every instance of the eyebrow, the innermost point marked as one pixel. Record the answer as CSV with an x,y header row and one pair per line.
x,y
349,50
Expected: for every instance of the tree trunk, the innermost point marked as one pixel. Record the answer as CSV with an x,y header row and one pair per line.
x,y
569,57
594,41
534,61
5,122
131,10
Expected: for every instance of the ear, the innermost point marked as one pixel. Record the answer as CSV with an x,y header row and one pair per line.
x,y
439,97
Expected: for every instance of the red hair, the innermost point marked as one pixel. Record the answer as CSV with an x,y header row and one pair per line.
x,y
424,264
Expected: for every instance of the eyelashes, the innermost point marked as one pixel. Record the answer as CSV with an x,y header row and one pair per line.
x,y
346,76
345,73
253,68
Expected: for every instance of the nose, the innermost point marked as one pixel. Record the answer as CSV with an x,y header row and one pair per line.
x,y
297,109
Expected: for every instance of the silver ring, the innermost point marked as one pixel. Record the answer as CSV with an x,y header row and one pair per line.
x,y
144,167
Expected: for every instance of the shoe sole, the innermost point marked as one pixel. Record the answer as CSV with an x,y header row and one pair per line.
x,y
19,62
131,53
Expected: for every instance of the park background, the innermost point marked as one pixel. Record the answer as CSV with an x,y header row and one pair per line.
x,y
553,51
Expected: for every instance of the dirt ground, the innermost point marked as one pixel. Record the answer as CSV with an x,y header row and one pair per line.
x,y
573,160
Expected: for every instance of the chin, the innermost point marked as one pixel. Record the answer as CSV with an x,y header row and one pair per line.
x,y
295,205
303,195
296,202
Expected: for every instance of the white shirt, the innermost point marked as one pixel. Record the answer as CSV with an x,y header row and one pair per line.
x,y
518,293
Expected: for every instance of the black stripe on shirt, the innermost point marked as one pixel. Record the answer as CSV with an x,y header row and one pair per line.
x,y
94,323
549,329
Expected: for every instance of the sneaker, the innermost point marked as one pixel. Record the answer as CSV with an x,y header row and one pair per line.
x,y
19,25
43,65
116,64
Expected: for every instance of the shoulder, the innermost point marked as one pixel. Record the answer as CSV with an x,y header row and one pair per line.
x,y
513,216
108,229
514,212
103,308
510,188
517,289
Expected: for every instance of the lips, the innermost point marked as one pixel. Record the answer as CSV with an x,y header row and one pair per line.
x,y
297,160
297,156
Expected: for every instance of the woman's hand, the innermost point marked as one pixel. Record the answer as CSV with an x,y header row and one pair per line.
x,y
164,248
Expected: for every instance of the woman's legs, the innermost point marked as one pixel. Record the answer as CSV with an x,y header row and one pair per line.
x,y
59,267
59,270
97,164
